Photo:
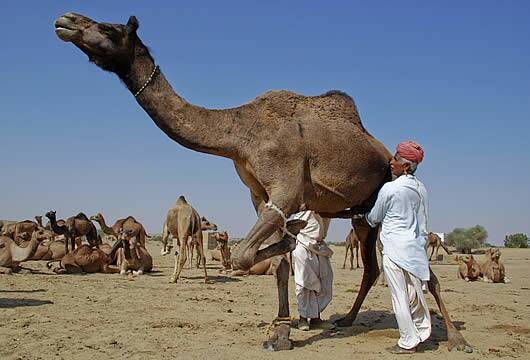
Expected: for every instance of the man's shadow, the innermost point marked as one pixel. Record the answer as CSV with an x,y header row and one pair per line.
x,y
376,321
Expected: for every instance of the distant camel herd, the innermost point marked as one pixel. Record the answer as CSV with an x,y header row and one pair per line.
x,y
31,240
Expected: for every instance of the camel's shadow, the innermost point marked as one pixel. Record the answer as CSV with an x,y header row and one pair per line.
x,y
24,291
6,303
213,278
376,321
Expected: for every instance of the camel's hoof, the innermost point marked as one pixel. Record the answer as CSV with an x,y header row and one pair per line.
x,y
123,272
280,339
344,322
173,280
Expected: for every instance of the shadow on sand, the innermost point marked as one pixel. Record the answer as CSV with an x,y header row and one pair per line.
x,y
24,291
376,322
13,303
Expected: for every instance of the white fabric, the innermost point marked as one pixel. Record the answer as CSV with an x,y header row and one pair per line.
x,y
401,208
408,302
313,275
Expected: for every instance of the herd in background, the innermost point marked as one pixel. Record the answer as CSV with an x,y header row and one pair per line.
x,y
490,270
60,243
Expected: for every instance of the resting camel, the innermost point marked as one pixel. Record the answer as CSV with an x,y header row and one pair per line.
x,y
132,256
293,152
264,267
184,225
351,242
14,230
468,268
83,259
49,248
435,242
11,254
492,269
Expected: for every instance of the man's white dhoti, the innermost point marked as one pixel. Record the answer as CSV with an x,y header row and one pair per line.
x,y
313,275
409,305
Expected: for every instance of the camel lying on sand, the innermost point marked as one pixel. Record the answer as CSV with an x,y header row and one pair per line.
x,y
352,242
492,269
49,248
15,229
264,267
11,255
436,242
468,268
132,257
84,259
293,152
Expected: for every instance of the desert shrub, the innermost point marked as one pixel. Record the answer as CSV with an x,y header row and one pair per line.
x,y
516,241
465,239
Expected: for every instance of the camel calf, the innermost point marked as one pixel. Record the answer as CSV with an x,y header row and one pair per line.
x,y
492,269
468,268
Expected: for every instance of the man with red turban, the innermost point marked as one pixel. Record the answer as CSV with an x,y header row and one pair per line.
x,y
401,208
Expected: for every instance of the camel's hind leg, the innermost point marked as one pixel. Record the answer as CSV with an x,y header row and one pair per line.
x,y
180,259
454,337
367,238
200,253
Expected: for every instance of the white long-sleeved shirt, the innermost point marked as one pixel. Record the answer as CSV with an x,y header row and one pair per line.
x,y
401,208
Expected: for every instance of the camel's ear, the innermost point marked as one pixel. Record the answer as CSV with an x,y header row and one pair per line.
x,y
132,25
294,226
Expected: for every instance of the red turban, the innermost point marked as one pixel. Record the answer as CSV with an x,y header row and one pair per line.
x,y
410,150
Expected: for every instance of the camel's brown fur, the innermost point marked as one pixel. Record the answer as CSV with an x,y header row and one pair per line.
x,y
468,268
492,269
435,242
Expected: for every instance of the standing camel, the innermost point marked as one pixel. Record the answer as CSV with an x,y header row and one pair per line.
x,y
206,225
436,242
76,227
352,242
129,224
184,225
293,152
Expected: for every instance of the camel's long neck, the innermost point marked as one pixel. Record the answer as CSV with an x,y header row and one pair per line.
x,y
104,227
208,131
20,254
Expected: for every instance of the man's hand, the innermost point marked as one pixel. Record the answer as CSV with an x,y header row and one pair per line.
x,y
346,214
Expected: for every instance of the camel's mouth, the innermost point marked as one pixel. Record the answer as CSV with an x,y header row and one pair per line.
x,y
69,25
65,28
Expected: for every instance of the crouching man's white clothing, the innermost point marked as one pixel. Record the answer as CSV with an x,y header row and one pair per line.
x,y
313,275
401,208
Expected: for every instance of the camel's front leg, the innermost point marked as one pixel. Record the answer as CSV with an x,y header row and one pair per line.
x,y
367,238
454,337
279,340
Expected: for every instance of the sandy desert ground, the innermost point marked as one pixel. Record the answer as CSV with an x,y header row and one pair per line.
x,y
45,316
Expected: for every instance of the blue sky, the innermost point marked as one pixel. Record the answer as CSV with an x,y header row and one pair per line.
x,y
454,76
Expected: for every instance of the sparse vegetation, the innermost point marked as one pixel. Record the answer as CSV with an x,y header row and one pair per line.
x,y
465,239
518,240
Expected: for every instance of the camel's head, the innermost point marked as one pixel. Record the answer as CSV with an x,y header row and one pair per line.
x,y
109,46
222,240
207,225
50,214
41,234
494,254
38,218
98,217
